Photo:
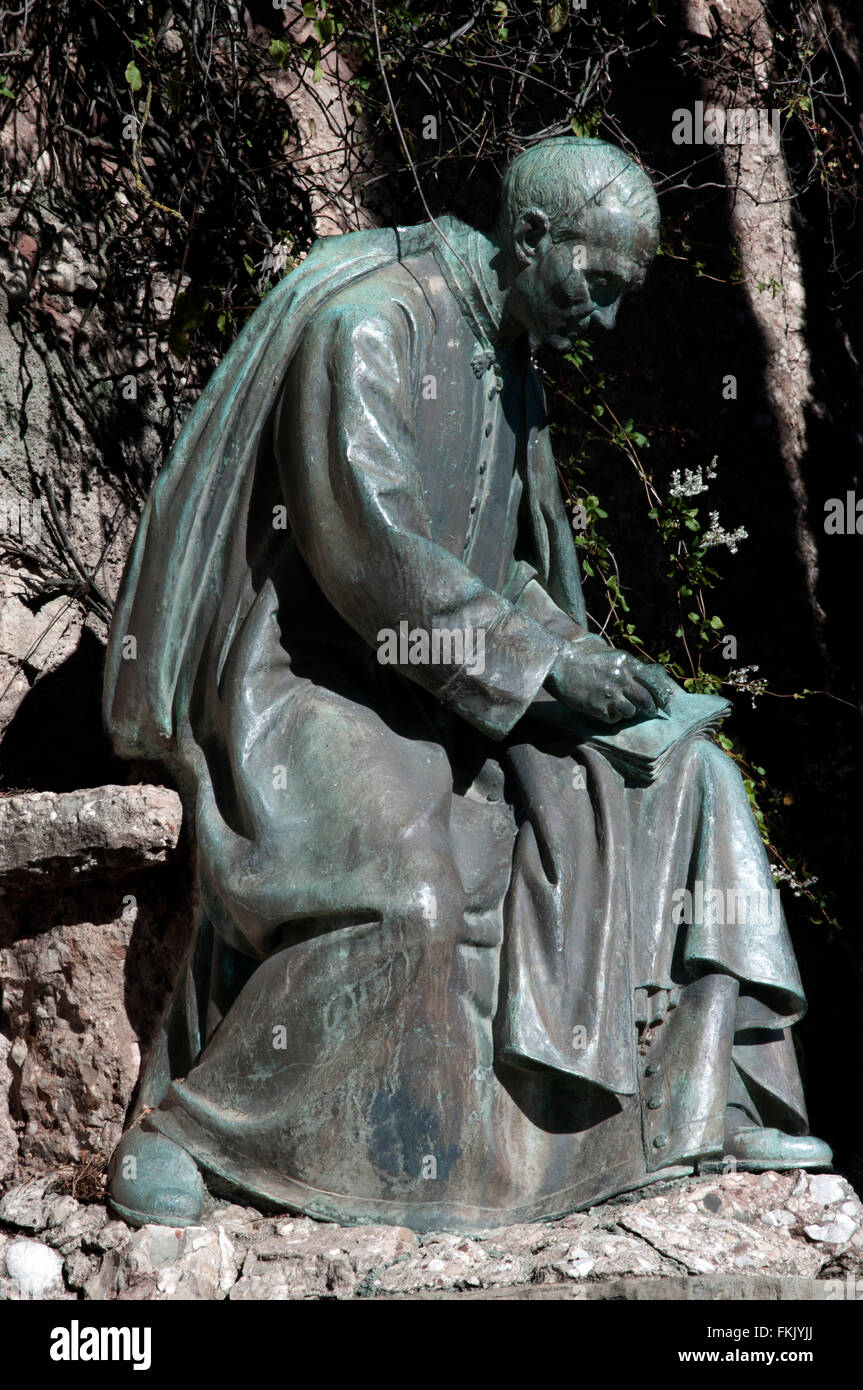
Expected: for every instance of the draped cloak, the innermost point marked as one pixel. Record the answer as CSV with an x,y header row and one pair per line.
x,y
437,976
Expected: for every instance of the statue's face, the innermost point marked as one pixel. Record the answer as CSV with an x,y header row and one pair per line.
x,y
563,287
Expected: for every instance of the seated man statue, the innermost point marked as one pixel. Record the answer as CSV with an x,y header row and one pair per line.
x,y
439,976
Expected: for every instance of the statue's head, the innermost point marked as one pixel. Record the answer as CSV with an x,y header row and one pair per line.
x,y
578,228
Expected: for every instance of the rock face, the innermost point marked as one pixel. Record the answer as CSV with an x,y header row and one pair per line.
x,y
739,1235
94,913
49,838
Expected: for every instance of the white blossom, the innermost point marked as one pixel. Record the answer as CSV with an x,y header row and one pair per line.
x,y
693,482
797,885
743,678
716,535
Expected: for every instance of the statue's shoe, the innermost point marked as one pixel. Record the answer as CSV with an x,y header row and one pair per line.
x,y
151,1179
757,1150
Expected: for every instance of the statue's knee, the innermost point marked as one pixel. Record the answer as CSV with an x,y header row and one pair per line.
x,y
714,761
432,905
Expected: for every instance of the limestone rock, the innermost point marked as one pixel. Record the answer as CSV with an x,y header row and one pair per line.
x,y
26,1207
8,1134
305,1260
737,1226
835,1232
51,838
83,1226
24,651
34,1270
192,1263
84,976
742,1235
825,1190
79,1267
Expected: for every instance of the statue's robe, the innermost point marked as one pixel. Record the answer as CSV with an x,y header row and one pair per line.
x,y
438,977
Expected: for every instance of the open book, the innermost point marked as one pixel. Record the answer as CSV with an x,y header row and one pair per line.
x,y
640,747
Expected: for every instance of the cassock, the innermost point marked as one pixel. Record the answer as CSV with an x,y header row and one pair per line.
x,y
438,977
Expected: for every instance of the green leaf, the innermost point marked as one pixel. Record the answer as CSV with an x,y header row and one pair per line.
x,y
179,345
280,49
558,15
133,76
716,623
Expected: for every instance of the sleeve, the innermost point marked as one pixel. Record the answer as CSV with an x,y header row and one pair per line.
x,y
345,441
529,594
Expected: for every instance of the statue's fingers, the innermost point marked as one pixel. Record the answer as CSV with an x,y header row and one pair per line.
x,y
621,707
641,697
657,681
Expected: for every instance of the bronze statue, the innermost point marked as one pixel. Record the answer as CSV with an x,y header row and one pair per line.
x,y
486,932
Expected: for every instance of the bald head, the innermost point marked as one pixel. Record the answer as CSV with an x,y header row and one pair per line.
x,y
566,177
578,227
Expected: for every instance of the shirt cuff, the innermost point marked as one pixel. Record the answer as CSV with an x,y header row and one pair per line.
x,y
516,656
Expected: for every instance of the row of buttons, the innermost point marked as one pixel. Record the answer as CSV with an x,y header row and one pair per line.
x,y
655,1101
490,413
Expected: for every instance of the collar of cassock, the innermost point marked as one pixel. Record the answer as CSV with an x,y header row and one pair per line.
x,y
456,249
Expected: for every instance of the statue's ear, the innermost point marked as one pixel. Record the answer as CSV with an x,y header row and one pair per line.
x,y
530,228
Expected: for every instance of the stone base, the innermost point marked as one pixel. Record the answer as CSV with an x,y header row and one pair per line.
x,y
738,1236
95,913
710,1288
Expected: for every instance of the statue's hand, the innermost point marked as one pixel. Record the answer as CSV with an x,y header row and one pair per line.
x,y
603,683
